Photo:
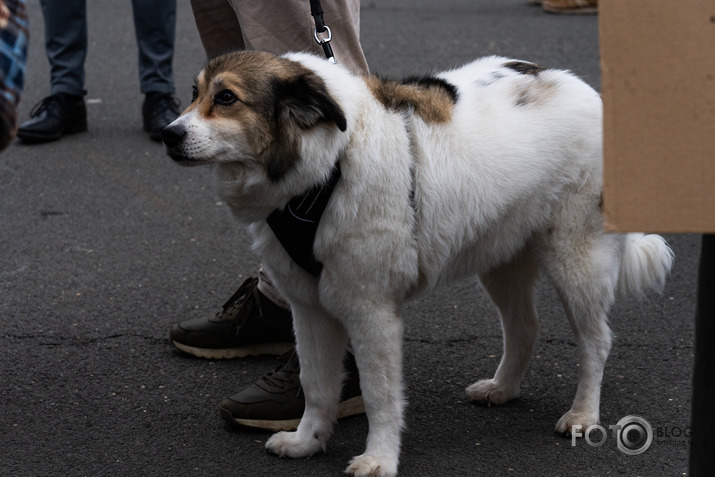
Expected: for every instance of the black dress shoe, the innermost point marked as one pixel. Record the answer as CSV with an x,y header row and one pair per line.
x,y
54,116
159,110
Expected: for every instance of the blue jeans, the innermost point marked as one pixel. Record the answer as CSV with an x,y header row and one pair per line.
x,y
66,43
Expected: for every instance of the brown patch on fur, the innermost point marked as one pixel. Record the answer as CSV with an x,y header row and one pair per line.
x,y
276,99
430,98
530,92
535,92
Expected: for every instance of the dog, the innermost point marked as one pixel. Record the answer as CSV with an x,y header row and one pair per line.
x,y
492,169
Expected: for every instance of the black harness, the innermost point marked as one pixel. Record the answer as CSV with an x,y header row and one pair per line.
x,y
296,224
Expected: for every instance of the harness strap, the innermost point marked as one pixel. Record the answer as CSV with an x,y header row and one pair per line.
x,y
296,224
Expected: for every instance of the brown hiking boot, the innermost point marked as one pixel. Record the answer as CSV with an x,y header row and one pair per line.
x,y
249,324
276,401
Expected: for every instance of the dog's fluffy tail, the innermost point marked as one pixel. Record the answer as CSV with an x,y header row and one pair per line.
x,y
645,265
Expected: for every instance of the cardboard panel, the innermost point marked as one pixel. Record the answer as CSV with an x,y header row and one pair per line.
x,y
658,86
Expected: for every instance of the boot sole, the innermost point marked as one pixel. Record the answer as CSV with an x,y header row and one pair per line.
x,y
275,349
35,138
349,407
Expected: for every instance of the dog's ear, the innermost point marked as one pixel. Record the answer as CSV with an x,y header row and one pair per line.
x,y
301,103
304,99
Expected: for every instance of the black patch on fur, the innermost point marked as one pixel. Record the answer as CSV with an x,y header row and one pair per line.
x,y
301,102
524,68
428,82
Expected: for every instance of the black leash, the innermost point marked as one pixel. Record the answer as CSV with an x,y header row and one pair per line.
x,y
316,10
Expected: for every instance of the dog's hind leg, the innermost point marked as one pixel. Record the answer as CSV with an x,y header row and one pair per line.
x,y
583,263
321,344
587,313
376,339
511,287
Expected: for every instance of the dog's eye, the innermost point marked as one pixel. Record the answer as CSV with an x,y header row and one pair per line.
x,y
194,93
225,98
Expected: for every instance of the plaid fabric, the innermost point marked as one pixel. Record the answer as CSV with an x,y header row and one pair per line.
x,y
13,57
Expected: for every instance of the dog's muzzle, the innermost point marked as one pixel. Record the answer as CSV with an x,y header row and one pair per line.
x,y
172,135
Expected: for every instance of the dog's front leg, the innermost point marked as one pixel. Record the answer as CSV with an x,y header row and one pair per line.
x,y
321,342
376,339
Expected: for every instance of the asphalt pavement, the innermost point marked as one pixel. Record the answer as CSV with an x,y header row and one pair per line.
x,y
104,243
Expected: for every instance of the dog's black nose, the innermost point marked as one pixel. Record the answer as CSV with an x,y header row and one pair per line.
x,y
172,135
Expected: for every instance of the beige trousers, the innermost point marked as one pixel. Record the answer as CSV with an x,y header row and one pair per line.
x,y
279,26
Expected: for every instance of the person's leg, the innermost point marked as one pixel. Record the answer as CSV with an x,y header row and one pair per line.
x,y
343,18
64,111
155,28
66,44
280,27
255,320
218,26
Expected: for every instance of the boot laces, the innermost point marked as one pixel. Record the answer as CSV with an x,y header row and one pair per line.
x,y
44,105
282,377
242,304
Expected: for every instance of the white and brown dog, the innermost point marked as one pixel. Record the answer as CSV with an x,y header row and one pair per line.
x,y
492,169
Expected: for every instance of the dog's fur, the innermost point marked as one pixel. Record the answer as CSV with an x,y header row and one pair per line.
x,y
492,169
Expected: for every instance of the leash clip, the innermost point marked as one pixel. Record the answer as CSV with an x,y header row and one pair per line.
x,y
325,43
323,40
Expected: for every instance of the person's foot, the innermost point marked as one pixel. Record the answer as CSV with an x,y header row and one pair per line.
x,y
54,116
276,401
158,111
571,7
249,324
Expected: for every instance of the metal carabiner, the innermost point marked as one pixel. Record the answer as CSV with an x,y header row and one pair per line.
x,y
325,43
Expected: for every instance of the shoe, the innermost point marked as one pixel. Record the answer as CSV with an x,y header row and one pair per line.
x,y
54,116
571,7
276,401
249,324
158,111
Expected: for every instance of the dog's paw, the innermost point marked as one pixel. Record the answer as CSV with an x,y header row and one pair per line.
x,y
489,392
372,466
573,418
290,444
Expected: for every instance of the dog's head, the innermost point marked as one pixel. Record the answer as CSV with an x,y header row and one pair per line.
x,y
252,109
